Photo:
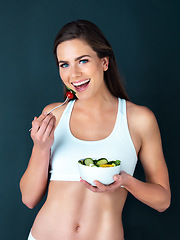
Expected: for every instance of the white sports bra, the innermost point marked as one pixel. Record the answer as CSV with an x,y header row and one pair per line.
x,y
67,149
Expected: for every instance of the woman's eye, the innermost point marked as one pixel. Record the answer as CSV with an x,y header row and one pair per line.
x,y
64,65
83,61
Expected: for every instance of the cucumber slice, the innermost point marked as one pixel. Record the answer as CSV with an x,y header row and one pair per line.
x,y
101,161
88,161
93,165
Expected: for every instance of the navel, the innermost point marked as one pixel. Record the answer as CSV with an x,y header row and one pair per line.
x,y
77,228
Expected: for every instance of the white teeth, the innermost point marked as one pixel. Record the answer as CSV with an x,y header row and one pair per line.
x,y
80,83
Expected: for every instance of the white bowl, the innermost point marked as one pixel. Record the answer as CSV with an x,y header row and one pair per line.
x,y
102,174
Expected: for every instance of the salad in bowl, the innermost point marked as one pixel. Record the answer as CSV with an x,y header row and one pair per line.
x,y
99,169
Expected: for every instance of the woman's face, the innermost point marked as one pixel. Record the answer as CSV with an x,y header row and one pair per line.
x,y
81,69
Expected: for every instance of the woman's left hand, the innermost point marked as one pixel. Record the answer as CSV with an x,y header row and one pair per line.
x,y
119,180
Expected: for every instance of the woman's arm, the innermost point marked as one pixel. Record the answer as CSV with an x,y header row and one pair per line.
x,y
155,192
33,183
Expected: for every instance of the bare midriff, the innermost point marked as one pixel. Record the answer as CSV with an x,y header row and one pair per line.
x,y
73,212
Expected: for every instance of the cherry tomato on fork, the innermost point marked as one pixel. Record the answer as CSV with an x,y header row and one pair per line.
x,y
69,94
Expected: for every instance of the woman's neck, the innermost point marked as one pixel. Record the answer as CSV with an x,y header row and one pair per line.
x,y
97,103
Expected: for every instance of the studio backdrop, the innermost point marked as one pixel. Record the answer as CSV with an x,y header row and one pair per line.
x,y
145,38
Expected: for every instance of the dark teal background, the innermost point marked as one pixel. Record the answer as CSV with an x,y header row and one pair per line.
x,y
145,37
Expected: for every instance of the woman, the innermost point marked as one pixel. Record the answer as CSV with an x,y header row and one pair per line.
x,y
98,122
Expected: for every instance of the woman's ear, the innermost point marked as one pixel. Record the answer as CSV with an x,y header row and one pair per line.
x,y
105,61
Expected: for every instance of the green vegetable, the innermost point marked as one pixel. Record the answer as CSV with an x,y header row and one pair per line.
x,y
71,90
101,161
88,161
117,162
98,162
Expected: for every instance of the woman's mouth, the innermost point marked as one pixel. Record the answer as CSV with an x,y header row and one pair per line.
x,y
81,85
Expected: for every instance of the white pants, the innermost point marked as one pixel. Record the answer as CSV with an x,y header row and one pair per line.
x,y
32,238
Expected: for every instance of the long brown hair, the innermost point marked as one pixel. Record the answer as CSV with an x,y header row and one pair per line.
x,y
90,33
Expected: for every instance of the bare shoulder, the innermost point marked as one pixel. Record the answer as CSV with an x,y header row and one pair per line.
x,y
49,107
141,118
139,112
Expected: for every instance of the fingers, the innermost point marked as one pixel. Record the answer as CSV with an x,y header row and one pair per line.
x,y
49,132
40,124
99,188
43,129
89,186
104,188
46,125
122,178
107,188
117,178
37,122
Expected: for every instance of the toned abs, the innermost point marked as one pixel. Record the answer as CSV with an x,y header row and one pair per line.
x,y
72,212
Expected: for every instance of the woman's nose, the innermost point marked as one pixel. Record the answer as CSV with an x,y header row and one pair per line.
x,y
75,72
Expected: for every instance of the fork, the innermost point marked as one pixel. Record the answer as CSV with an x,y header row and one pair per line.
x,y
55,108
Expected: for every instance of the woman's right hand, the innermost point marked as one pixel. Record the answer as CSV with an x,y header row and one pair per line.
x,y
42,132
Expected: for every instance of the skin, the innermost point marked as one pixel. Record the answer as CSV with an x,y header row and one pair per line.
x,y
77,210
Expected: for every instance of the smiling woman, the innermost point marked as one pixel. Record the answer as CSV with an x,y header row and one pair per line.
x,y
78,85
99,122
80,68
90,35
